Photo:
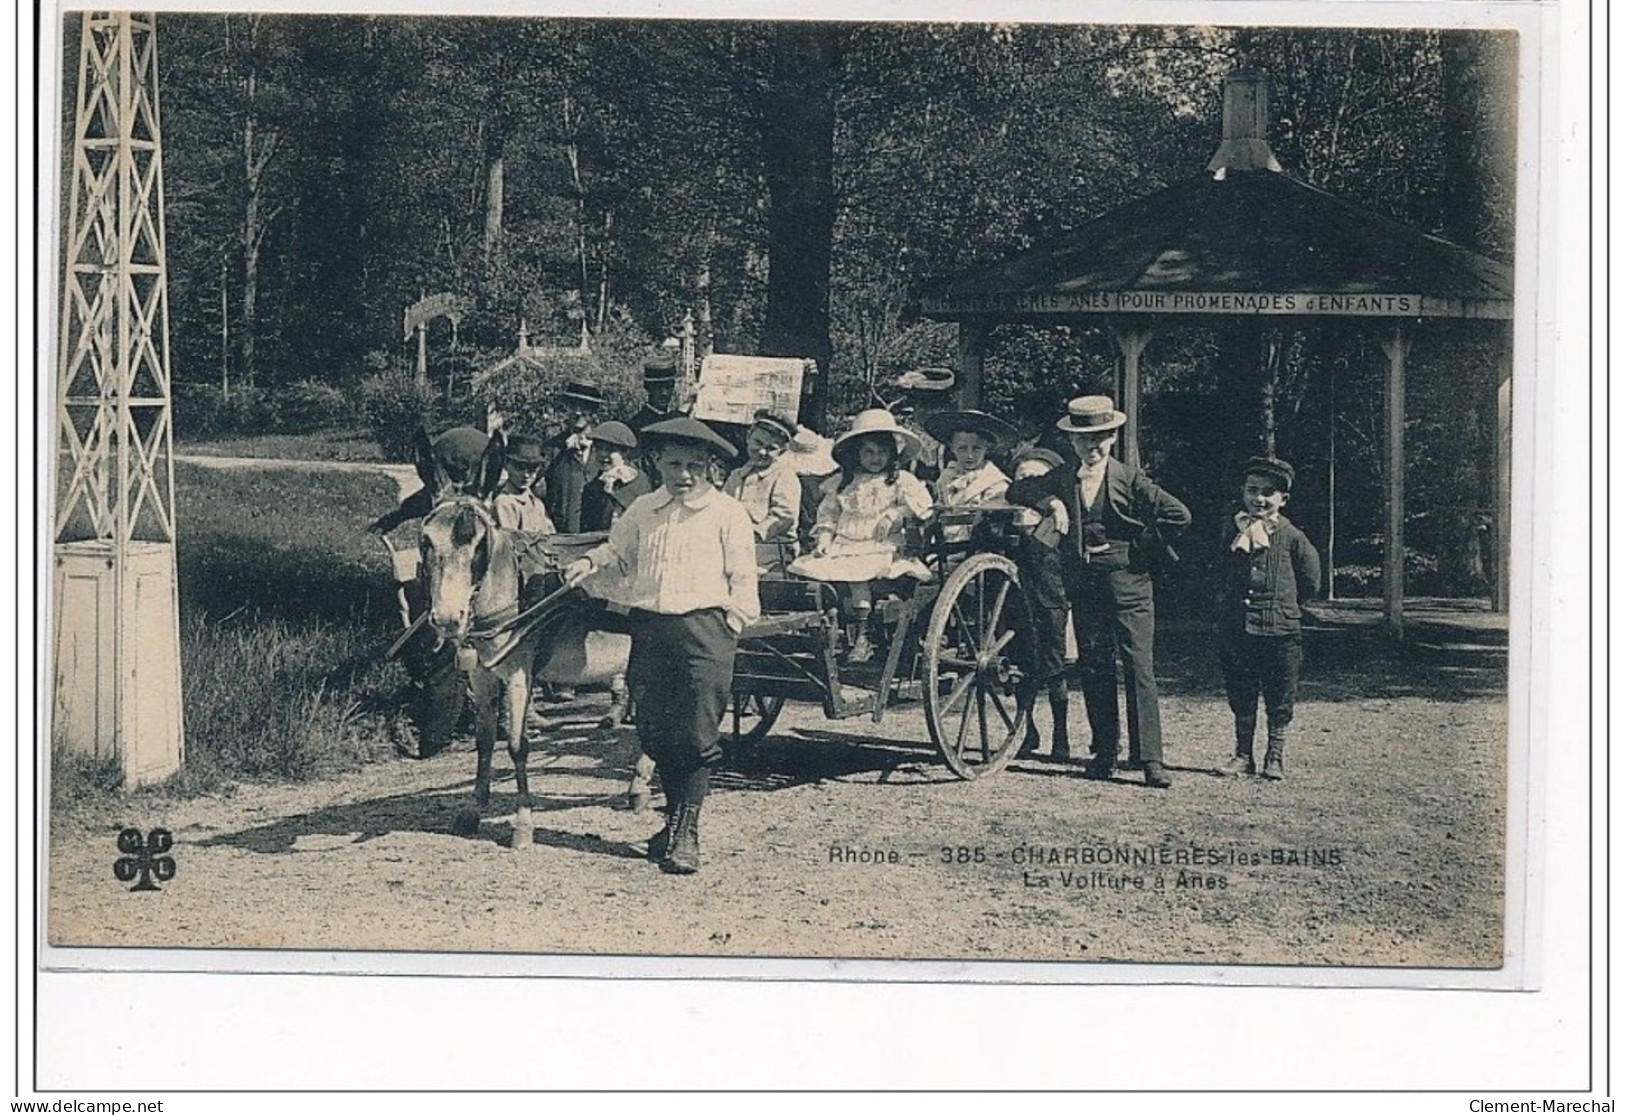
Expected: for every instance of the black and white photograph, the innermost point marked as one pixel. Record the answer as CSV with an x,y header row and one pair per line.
x,y
1003,497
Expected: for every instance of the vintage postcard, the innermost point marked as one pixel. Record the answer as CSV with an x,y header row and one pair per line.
x,y
1139,577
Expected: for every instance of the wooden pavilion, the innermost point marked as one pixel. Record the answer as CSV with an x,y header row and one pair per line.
x,y
1247,240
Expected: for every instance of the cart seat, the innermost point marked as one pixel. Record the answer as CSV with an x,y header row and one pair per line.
x,y
794,595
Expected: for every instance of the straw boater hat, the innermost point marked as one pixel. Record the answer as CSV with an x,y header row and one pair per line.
x,y
525,451
1091,414
618,434
580,391
776,424
945,424
1272,467
690,430
926,379
877,421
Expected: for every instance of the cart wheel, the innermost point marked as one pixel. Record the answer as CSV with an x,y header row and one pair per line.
x,y
977,659
751,716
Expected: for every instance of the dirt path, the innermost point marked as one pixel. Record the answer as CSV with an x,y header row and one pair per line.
x,y
1384,847
405,476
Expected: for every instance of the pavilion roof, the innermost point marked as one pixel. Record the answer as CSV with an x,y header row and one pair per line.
x,y
1247,233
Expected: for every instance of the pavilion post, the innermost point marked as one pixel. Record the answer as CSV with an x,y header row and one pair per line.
x,y
1131,338
1501,509
972,340
1393,554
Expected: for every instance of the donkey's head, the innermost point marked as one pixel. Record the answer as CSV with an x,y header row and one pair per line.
x,y
466,562
456,549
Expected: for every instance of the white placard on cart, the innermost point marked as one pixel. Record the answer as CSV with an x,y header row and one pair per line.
x,y
734,388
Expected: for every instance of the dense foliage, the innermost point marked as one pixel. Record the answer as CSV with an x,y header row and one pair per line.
x,y
789,187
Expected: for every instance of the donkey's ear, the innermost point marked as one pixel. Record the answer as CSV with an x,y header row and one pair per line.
x,y
488,475
423,456
429,468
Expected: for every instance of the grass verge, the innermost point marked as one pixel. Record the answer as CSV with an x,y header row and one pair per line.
x,y
286,609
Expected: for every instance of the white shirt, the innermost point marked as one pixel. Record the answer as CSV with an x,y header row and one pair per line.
x,y
1089,480
772,495
679,556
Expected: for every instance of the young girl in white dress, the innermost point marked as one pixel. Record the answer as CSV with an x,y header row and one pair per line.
x,y
858,538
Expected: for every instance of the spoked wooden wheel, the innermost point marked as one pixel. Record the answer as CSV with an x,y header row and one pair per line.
x,y
978,647
751,716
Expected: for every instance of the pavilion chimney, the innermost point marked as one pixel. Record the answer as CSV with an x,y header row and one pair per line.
x,y
1246,120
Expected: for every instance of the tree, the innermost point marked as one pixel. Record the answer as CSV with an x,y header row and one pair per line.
x,y
798,142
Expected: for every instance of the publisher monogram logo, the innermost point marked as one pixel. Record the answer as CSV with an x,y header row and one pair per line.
x,y
144,859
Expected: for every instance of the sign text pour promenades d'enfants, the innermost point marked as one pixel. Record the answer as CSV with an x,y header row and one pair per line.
x,y
1180,302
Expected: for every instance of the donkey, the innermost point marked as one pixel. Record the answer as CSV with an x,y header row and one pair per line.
x,y
472,571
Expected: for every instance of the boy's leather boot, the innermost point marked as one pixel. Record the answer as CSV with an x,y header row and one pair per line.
x,y
1060,748
1272,757
1242,761
683,849
660,842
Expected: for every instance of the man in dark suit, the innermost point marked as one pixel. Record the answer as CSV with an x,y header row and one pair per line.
x,y
659,389
567,476
1115,526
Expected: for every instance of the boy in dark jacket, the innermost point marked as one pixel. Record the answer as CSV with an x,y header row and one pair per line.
x,y
1268,569
1038,557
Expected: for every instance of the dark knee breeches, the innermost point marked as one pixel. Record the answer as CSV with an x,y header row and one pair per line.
x,y
681,675
1257,666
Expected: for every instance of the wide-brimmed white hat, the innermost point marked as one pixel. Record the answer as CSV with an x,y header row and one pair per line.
x,y
1091,414
879,421
930,380
809,452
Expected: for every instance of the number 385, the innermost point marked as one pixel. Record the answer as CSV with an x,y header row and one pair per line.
x,y
962,854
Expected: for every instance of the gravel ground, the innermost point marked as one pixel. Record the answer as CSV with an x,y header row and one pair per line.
x,y
1383,847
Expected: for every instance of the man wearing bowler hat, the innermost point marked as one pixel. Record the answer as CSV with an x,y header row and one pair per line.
x,y
1116,525
659,387
571,467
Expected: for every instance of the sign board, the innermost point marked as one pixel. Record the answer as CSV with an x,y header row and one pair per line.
x,y
427,309
734,388
1180,302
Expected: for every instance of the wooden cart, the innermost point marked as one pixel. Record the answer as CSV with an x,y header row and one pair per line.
x,y
962,645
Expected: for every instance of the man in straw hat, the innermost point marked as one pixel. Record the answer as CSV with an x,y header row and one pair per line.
x,y
926,391
686,558
1116,526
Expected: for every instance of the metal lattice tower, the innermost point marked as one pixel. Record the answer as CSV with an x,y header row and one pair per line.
x,y
117,642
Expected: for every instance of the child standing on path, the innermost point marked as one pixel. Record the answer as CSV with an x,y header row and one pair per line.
x,y
858,538
686,557
1269,568
1038,558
